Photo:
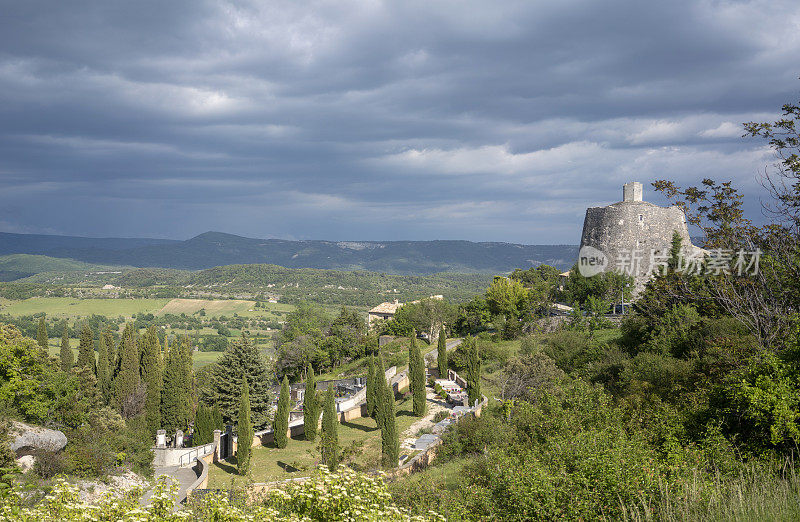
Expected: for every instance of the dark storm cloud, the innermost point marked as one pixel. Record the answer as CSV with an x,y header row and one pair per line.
x,y
375,120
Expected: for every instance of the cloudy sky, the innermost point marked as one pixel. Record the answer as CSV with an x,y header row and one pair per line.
x,y
487,121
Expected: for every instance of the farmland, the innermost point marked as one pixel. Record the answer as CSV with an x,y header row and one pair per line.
x,y
70,308
73,308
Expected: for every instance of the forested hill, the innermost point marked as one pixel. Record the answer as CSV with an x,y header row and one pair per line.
x,y
215,249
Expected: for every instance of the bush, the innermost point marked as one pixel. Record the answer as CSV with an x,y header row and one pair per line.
x,y
49,462
440,416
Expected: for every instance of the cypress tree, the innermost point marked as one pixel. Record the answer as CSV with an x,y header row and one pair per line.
x,y
113,356
329,443
390,443
416,378
128,383
473,371
216,418
371,387
244,430
240,358
102,368
281,423
66,355
176,395
41,334
86,349
204,425
441,356
310,406
152,373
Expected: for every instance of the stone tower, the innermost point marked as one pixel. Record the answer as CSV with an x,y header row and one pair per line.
x,y
633,235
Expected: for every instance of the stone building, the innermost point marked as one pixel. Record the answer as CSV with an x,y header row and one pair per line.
x,y
632,236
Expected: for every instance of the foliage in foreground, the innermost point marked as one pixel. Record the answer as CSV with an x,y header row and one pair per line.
x,y
328,496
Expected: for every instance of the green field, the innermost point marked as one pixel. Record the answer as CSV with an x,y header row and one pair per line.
x,y
67,307
300,456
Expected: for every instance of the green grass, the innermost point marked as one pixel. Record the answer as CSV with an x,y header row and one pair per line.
x,y
67,307
301,456
200,359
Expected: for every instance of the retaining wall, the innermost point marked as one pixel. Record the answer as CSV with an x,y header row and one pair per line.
x,y
181,457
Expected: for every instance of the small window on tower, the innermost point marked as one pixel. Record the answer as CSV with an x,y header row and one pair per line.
x,y
641,218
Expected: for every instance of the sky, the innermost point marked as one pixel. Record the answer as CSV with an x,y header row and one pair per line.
x,y
368,120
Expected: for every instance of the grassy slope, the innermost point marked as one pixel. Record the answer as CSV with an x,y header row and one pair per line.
x,y
35,264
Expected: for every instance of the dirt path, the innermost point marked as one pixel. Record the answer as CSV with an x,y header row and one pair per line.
x,y
435,405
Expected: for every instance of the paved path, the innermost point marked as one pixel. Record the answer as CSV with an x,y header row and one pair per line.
x,y
433,355
184,477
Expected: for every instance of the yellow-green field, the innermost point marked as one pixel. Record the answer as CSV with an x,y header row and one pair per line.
x,y
67,307
298,458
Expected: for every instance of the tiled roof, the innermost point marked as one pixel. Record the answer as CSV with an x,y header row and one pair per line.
x,y
386,308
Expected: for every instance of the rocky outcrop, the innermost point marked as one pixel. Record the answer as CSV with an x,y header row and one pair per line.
x,y
24,438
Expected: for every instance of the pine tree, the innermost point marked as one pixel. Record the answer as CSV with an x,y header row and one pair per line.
x,y
66,355
176,395
417,378
41,334
280,424
473,371
241,358
371,387
329,441
152,373
102,368
390,443
86,349
127,386
441,356
244,430
310,406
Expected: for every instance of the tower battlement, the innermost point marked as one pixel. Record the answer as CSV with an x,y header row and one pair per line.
x,y
632,191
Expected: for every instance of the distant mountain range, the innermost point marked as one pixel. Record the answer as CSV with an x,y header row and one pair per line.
x,y
216,249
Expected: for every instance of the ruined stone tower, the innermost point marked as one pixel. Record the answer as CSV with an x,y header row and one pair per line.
x,y
633,234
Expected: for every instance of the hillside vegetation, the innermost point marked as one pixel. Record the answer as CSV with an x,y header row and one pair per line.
x,y
216,249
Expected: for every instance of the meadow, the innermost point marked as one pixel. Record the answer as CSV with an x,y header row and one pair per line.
x,y
68,308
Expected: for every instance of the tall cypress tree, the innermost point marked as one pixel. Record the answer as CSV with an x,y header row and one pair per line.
x,y
86,349
41,334
102,368
329,441
441,355
176,395
371,387
281,423
241,358
127,386
390,443
473,371
152,374
205,422
310,406
66,355
417,378
244,430
412,360
113,356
